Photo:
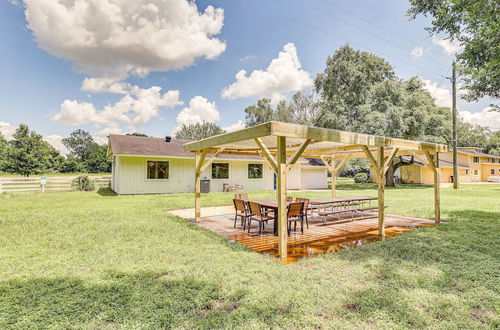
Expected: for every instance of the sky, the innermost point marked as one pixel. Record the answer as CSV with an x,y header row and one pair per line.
x,y
120,66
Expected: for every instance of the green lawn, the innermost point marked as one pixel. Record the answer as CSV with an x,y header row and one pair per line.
x,y
93,260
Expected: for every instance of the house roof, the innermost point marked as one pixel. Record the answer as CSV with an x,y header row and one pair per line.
x,y
442,163
151,146
477,153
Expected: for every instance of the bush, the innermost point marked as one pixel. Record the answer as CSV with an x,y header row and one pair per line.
x,y
83,183
360,178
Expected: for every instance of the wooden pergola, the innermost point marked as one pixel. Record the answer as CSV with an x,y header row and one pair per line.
x,y
282,144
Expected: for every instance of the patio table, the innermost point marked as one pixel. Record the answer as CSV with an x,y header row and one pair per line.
x,y
270,204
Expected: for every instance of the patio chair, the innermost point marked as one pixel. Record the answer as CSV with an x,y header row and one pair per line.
x,y
295,213
241,210
241,196
258,214
306,208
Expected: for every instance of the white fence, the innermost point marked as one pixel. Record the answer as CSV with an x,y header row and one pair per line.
x,y
49,183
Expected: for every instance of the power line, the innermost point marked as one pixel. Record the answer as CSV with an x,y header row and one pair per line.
x,y
381,27
430,73
361,29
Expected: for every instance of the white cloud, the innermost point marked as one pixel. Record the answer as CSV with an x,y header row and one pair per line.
x,y
199,110
284,74
7,130
56,141
234,127
105,84
484,118
247,58
109,130
119,37
417,51
441,94
448,46
136,108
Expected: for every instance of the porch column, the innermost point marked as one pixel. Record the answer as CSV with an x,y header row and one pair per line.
x,y
381,193
281,197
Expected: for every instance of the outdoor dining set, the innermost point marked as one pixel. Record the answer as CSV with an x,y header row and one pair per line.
x,y
262,211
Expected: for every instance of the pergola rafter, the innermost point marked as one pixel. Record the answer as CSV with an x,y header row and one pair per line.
x,y
283,144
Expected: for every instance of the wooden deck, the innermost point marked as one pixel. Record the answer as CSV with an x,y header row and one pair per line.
x,y
319,238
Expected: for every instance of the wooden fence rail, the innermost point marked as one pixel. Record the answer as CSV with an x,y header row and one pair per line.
x,y
44,184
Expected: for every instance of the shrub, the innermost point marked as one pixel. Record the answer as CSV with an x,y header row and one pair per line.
x,y
83,183
361,178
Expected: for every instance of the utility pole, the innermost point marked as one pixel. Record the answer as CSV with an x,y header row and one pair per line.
x,y
455,138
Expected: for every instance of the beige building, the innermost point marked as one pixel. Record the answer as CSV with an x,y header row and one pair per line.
x,y
147,165
473,166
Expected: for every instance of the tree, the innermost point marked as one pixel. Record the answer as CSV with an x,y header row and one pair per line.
x,y
3,152
360,93
198,131
71,165
28,154
475,25
302,108
80,144
97,161
137,134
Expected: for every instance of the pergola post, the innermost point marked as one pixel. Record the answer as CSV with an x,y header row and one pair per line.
x,y
381,193
197,185
281,196
334,178
434,164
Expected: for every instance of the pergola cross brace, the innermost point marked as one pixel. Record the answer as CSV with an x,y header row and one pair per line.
x,y
333,170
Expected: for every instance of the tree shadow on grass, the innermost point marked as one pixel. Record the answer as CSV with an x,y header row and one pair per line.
x,y
123,300
372,186
106,192
447,273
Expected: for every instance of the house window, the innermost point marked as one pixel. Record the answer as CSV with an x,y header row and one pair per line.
x,y
157,170
220,171
466,172
476,159
492,171
476,172
255,171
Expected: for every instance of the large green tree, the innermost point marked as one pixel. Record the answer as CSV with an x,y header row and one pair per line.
x,y
28,153
360,93
198,131
476,26
83,149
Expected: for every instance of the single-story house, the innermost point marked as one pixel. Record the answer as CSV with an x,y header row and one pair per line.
x,y
148,165
473,166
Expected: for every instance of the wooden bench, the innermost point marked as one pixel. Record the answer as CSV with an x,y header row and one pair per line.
x,y
325,213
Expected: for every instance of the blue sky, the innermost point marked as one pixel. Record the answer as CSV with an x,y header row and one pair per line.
x,y
35,81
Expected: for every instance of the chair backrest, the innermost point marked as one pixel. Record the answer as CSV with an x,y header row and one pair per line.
x,y
239,205
303,200
295,209
241,196
254,208
289,198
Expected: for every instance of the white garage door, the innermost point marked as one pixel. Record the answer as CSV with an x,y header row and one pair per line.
x,y
314,179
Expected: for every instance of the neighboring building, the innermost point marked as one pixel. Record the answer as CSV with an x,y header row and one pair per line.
x,y
146,165
473,166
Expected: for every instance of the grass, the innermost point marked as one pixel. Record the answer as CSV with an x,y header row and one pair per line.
x,y
95,260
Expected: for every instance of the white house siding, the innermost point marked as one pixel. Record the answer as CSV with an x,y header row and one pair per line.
x,y
293,178
130,176
314,178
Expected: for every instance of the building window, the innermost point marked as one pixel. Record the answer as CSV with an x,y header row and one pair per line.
x,y
157,170
466,172
492,171
476,172
220,171
476,159
255,171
